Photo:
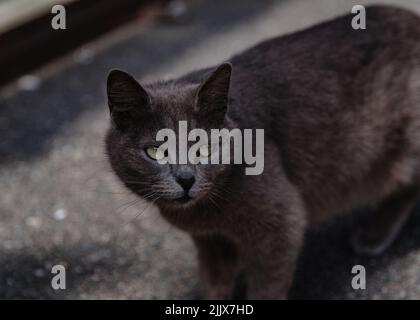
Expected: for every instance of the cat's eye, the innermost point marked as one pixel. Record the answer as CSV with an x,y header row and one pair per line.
x,y
154,153
205,150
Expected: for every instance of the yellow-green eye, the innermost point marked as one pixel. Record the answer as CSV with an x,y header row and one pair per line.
x,y
206,150
151,152
154,153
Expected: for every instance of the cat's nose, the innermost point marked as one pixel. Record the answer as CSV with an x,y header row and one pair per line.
x,y
186,181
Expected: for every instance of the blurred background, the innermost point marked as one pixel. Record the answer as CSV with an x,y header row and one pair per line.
x,y
59,201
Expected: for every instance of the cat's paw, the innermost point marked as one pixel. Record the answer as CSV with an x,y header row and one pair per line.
x,y
368,244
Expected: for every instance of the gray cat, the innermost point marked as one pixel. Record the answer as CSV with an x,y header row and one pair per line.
x,y
341,114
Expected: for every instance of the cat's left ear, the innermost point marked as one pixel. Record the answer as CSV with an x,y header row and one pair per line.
x,y
213,94
126,97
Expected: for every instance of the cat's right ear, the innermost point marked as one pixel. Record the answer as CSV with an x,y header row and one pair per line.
x,y
126,97
213,94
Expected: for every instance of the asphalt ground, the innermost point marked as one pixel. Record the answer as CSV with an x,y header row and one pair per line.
x,y
60,203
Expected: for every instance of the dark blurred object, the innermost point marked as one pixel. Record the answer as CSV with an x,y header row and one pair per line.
x,y
34,42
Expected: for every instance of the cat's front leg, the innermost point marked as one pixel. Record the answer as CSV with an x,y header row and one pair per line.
x,y
218,266
270,262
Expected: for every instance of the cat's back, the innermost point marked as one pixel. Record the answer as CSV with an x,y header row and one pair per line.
x,y
320,64
342,104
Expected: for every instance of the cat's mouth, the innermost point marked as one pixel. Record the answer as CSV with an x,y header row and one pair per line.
x,y
184,199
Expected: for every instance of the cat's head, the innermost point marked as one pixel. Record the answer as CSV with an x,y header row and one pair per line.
x,y
139,112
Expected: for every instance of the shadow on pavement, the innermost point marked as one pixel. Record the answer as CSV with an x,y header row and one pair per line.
x,y
324,270
28,276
